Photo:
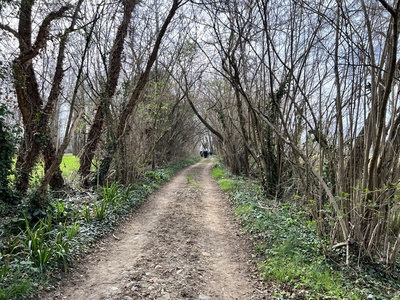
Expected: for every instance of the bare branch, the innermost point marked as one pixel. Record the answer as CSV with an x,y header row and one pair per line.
x,y
43,32
10,30
388,7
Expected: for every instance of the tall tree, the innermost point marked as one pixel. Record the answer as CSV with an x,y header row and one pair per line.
x,y
35,112
108,91
141,83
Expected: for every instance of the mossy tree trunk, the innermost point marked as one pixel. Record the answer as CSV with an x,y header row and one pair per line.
x,y
35,112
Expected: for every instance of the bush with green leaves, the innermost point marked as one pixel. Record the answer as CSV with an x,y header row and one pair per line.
x,y
17,280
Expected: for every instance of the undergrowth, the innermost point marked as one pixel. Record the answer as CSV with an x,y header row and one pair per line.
x,y
34,250
292,255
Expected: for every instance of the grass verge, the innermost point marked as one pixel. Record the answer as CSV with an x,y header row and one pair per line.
x,y
293,256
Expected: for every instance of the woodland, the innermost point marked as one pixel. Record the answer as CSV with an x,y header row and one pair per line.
x,y
301,95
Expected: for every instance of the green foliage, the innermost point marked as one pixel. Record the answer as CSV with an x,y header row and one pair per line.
x,y
87,213
292,253
61,211
101,209
36,244
45,244
17,289
290,265
217,173
159,174
227,184
113,196
38,202
8,141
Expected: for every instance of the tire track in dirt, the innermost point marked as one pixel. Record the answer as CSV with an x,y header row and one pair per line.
x,y
181,244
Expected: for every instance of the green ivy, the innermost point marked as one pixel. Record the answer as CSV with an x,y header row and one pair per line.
x,y
7,151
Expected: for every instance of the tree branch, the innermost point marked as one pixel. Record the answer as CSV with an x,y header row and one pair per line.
x,y
388,7
10,30
43,32
203,120
59,71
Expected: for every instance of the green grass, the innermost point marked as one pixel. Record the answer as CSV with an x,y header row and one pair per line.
x,y
217,173
292,254
69,164
289,247
227,184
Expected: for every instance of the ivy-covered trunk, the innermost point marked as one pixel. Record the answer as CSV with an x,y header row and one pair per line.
x,y
30,103
111,147
110,87
35,113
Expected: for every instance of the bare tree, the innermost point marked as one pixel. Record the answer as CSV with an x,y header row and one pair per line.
x,y
314,95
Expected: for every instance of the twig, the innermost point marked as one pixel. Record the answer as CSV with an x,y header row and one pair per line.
x,y
264,207
339,245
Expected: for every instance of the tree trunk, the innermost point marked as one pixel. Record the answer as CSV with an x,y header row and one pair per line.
x,y
49,154
106,95
134,99
34,116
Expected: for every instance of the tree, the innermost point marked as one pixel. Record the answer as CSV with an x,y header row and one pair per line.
x,y
143,79
107,92
313,105
35,113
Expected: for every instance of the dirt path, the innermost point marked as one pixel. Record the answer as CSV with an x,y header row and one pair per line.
x,y
181,244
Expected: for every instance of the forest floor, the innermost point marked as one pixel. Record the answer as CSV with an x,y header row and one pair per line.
x,y
183,243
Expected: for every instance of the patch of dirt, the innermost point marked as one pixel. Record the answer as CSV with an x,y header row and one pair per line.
x,y
181,244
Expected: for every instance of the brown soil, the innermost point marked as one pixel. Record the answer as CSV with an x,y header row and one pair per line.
x,y
183,243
